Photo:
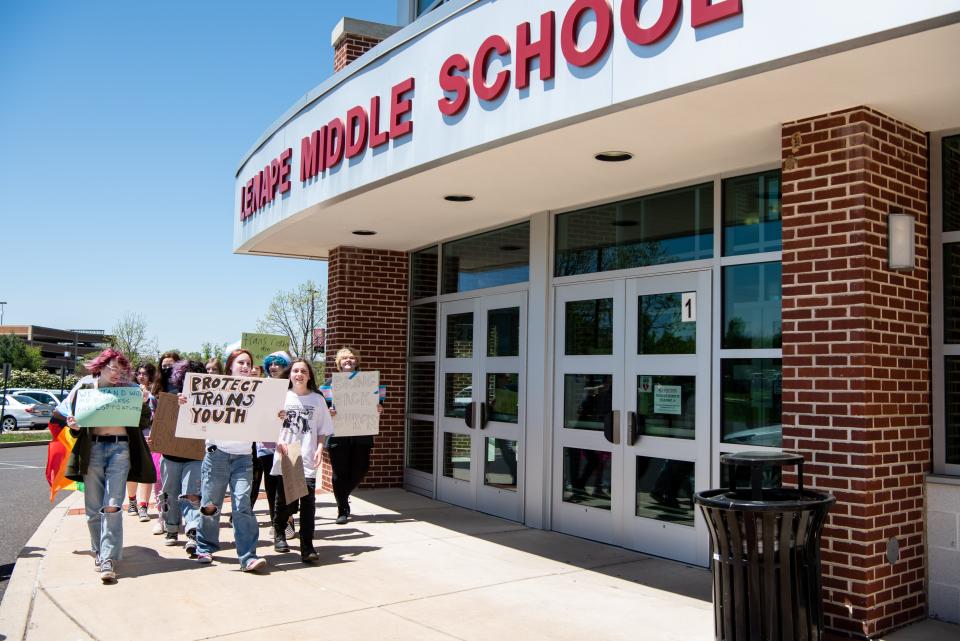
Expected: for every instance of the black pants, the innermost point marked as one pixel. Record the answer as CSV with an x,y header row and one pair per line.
x,y
261,470
308,511
350,461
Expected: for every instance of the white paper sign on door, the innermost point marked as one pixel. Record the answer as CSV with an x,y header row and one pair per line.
x,y
666,399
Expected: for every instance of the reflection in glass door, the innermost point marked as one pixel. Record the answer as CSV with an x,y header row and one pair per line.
x,y
632,412
483,342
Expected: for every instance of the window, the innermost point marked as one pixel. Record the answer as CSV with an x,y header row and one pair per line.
x,y
945,224
751,214
500,257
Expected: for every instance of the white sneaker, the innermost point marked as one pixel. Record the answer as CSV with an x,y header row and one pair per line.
x,y
255,564
158,526
107,575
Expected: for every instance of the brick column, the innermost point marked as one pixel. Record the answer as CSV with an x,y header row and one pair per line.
x,y
367,310
856,357
352,38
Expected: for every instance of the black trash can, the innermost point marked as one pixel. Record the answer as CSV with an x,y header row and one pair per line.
x,y
766,553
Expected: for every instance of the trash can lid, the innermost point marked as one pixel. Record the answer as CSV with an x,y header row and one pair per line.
x,y
761,458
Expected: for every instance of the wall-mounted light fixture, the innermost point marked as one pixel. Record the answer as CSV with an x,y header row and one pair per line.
x,y
900,241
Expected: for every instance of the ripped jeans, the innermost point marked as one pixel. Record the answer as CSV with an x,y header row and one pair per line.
x,y
220,469
103,488
180,480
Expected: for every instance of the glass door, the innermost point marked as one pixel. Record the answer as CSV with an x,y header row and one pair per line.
x,y
666,447
482,381
632,412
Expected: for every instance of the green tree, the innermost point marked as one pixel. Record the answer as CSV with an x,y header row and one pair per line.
x,y
129,335
14,350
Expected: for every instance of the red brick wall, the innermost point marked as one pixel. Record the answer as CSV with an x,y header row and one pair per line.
x,y
856,356
349,47
367,310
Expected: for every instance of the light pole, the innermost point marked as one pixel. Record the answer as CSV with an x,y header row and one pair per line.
x,y
3,304
313,355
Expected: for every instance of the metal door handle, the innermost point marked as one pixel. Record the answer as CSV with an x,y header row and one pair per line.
x,y
468,417
632,433
611,427
483,414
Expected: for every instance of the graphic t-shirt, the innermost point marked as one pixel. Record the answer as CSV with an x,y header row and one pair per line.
x,y
306,421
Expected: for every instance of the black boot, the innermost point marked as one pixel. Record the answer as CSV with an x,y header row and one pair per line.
x,y
280,542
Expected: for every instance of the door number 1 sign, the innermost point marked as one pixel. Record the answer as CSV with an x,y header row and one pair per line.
x,y
688,308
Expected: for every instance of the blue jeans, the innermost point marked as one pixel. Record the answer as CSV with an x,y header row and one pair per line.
x,y
219,469
180,480
103,487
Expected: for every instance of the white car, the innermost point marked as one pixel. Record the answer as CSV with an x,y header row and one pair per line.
x,y
24,413
41,395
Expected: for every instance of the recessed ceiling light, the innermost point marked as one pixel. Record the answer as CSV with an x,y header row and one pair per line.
x,y
363,232
458,198
613,156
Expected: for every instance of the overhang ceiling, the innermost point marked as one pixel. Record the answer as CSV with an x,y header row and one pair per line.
x,y
722,129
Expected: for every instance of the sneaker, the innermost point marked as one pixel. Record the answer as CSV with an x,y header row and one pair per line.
x,y
255,564
107,574
203,557
191,545
132,506
158,527
170,539
289,532
310,557
341,519
142,513
96,563
280,544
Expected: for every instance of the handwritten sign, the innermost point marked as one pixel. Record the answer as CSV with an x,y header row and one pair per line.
x,y
163,434
291,467
356,396
262,345
109,407
233,408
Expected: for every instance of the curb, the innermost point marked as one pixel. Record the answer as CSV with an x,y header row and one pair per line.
x,y
21,590
22,444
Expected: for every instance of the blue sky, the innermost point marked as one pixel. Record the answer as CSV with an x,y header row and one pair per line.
x,y
122,124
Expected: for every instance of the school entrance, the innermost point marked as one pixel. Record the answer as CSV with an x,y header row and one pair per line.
x,y
632,412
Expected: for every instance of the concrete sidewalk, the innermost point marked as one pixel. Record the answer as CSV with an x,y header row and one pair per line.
x,y
404,568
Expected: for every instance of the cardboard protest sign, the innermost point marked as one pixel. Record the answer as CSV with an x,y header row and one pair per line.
x,y
163,438
262,345
109,407
233,408
356,396
291,466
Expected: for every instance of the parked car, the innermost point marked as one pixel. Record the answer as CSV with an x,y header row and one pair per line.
x,y
23,412
42,396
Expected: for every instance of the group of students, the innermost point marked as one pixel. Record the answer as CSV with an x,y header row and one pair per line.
x,y
189,493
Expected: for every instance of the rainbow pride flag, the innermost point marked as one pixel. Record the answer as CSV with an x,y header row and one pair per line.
x,y
58,452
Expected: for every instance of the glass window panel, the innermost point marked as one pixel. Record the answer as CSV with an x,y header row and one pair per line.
x,y
751,306
423,329
660,329
500,257
458,394
950,164
500,463
422,387
503,391
750,391
751,214
589,327
772,476
420,445
587,401
951,293
460,335
667,406
664,490
668,227
503,332
423,273
456,456
952,406
586,477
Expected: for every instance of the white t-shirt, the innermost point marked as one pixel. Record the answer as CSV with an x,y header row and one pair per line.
x,y
307,421
232,447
